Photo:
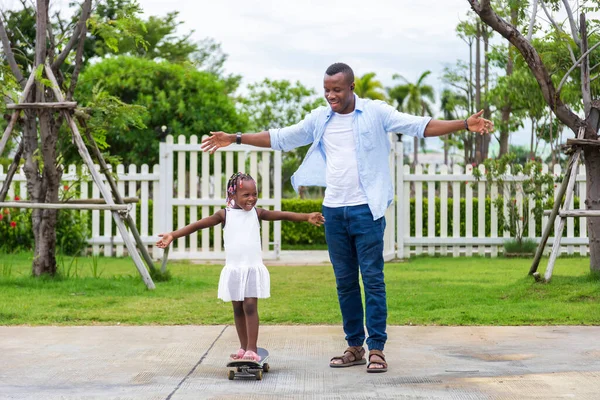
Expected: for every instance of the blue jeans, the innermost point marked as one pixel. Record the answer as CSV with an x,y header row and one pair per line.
x,y
355,242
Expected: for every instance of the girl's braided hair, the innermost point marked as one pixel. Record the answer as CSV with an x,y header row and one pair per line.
x,y
236,180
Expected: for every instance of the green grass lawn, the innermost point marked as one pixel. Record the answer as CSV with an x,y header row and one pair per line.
x,y
422,291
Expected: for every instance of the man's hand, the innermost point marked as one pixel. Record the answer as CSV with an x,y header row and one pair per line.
x,y
479,125
166,240
216,140
316,218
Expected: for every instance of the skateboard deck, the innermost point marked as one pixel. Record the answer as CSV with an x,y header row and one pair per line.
x,y
246,369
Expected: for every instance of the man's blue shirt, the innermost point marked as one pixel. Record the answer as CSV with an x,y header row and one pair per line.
x,y
372,121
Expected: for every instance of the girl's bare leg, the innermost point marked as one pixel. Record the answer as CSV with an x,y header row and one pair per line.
x,y
240,323
251,313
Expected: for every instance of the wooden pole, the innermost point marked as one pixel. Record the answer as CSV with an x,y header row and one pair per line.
x,y
163,267
577,213
572,165
64,206
561,224
11,172
53,106
126,200
118,199
15,116
550,224
98,180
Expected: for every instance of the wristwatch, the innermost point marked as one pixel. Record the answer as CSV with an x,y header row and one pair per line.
x,y
238,138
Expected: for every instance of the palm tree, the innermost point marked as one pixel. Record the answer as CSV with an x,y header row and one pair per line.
x,y
368,88
413,98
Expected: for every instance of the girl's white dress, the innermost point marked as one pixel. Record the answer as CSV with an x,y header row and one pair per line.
x,y
244,274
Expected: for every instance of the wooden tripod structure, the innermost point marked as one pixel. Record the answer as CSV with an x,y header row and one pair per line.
x,y
117,205
563,213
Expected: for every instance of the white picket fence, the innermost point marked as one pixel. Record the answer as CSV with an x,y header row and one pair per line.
x,y
191,185
431,181
206,193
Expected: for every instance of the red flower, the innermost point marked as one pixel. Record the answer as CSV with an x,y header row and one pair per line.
x,y
1,216
13,224
17,198
66,187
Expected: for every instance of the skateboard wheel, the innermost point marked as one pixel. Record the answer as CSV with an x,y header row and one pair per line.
x,y
266,367
231,375
259,375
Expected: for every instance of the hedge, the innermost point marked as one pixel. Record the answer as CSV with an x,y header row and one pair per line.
x,y
301,232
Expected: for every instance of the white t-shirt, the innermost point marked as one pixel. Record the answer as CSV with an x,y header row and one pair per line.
x,y
341,177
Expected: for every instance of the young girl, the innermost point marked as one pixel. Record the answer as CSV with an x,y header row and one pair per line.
x,y
244,279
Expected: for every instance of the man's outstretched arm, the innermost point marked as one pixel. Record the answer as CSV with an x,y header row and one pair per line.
x,y
216,140
474,123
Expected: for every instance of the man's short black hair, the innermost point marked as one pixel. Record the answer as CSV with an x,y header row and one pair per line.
x,y
343,68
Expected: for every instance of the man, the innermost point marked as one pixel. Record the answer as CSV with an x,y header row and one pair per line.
x,y
349,156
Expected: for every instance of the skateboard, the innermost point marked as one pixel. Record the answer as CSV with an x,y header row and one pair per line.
x,y
246,369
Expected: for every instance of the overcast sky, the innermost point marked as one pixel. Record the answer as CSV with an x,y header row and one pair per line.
x,y
298,40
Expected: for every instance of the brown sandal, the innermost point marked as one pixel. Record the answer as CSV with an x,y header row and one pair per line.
x,y
382,363
357,352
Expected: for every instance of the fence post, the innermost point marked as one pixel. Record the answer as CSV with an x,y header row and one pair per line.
x,y
165,222
400,200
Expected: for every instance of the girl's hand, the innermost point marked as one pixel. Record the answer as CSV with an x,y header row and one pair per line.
x,y
316,218
166,240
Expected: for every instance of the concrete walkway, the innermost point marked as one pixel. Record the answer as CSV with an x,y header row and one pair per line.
x,y
188,362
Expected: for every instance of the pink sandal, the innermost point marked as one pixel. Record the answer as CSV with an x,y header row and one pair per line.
x,y
251,356
237,356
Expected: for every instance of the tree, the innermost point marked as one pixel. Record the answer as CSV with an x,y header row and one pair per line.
x,y
368,87
413,98
279,103
187,101
580,46
453,106
40,127
473,32
459,80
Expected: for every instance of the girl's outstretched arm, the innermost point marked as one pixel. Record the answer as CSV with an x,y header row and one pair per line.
x,y
168,237
315,218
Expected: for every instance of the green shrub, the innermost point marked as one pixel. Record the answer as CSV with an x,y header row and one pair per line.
x,y
524,246
295,233
15,230
17,233
72,232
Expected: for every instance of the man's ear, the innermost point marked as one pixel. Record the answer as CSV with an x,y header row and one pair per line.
x,y
352,86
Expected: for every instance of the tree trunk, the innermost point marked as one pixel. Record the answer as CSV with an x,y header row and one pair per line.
x,y
531,153
478,138
45,185
446,151
507,109
415,151
487,114
592,177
